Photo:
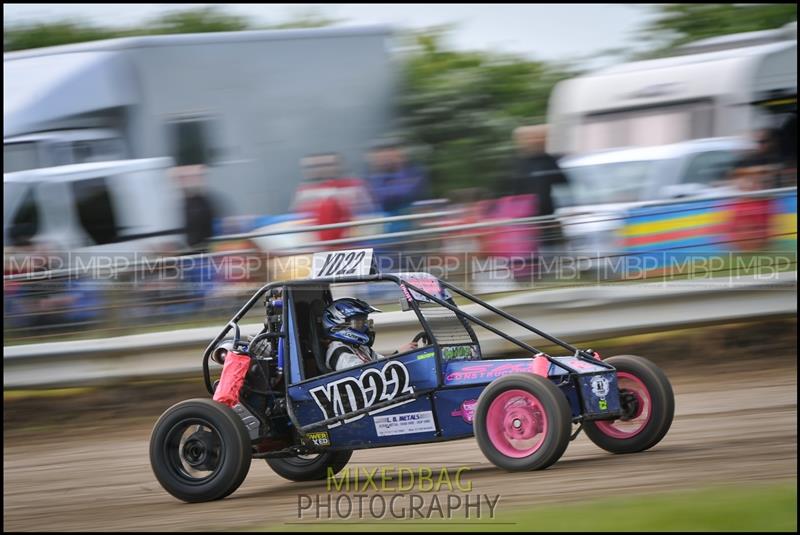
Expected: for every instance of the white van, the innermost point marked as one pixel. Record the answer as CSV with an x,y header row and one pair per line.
x,y
125,206
604,185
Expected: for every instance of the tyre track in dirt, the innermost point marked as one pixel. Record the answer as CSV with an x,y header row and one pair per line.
x,y
732,428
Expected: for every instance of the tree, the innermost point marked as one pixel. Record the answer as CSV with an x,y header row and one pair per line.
x,y
308,18
203,20
463,107
678,24
208,19
64,32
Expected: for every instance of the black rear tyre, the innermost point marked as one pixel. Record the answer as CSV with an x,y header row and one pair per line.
x,y
311,467
648,403
200,450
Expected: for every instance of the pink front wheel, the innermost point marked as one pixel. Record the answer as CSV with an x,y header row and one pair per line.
x,y
516,423
648,406
522,422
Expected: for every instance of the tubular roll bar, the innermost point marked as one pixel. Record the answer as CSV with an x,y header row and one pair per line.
x,y
578,353
233,323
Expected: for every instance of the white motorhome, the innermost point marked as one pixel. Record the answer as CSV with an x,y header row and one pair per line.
x,y
707,90
248,105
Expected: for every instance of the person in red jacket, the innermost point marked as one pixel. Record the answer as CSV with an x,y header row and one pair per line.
x,y
328,197
748,228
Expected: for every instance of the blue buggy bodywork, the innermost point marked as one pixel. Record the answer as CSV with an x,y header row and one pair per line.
x,y
425,395
277,398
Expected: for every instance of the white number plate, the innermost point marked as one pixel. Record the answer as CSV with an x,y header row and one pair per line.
x,y
351,263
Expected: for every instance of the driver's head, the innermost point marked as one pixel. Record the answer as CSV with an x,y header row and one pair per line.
x,y
347,320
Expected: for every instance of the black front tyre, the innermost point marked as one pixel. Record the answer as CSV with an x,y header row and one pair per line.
x,y
310,467
648,406
200,450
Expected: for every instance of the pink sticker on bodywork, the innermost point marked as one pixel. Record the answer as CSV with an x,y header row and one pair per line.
x,y
424,282
428,284
466,410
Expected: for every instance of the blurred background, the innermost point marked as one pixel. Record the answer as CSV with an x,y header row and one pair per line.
x,y
229,139
162,161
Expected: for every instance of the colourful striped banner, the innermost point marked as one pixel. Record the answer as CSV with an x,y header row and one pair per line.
x,y
673,234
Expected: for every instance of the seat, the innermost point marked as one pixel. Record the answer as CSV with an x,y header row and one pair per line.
x,y
307,359
316,309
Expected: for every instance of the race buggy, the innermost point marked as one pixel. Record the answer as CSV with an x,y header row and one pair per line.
x,y
276,398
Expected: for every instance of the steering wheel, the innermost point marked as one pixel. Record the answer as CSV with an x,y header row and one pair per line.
x,y
422,335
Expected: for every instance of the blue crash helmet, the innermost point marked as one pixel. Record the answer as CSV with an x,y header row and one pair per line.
x,y
337,321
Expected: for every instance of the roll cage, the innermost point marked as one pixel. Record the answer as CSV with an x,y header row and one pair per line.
x,y
289,288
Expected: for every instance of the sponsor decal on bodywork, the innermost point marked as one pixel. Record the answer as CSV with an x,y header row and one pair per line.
x,y
466,410
600,386
488,370
404,424
425,282
459,353
319,438
373,386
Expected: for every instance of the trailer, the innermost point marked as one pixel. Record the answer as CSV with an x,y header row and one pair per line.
x,y
247,105
710,88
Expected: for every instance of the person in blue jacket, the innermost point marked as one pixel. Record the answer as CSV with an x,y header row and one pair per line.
x,y
395,183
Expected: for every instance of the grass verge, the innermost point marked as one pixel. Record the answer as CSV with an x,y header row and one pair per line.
x,y
757,507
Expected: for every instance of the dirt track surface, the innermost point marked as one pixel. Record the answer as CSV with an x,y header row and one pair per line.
x,y
736,426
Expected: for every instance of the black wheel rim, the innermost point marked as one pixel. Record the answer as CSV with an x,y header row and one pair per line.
x,y
194,450
629,404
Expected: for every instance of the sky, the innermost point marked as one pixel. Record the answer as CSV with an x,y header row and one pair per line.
x,y
553,32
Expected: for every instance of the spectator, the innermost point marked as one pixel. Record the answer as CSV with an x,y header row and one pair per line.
x,y
198,208
778,147
776,154
537,170
748,224
752,173
328,197
767,150
395,182
535,174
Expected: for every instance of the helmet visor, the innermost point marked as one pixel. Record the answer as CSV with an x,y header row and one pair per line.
x,y
359,323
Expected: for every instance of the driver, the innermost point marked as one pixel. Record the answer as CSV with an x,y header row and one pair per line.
x,y
350,333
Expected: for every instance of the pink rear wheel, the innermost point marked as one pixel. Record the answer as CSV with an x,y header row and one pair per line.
x,y
522,422
637,406
648,406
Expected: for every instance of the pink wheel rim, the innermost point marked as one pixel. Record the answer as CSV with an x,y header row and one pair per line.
x,y
632,426
516,423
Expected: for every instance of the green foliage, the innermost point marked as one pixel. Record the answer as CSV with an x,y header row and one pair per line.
x,y
679,24
308,18
463,106
203,20
51,34
209,19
